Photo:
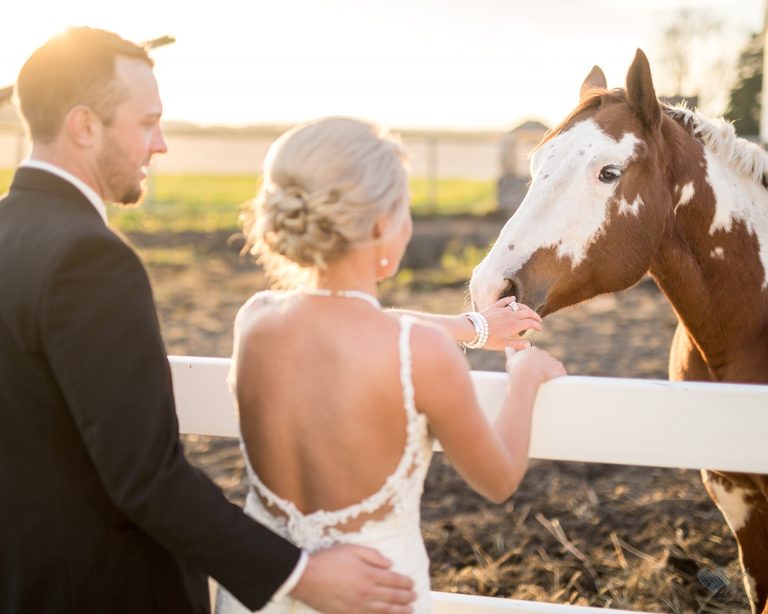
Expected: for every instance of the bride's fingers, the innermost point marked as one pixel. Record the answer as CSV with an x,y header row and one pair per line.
x,y
527,312
505,316
523,325
504,301
515,345
523,312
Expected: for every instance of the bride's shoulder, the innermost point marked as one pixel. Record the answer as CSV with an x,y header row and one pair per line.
x,y
431,343
259,303
440,372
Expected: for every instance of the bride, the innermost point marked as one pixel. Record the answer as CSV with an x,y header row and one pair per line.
x,y
339,401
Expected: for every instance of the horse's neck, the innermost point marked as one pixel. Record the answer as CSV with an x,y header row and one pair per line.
x,y
709,264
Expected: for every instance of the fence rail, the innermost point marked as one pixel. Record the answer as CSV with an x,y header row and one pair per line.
x,y
590,419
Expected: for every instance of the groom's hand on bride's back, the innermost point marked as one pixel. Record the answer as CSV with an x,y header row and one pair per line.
x,y
348,578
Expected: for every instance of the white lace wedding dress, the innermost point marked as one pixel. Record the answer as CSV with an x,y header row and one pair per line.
x,y
396,534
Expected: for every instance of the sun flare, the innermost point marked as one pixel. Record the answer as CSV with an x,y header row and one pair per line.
x,y
487,64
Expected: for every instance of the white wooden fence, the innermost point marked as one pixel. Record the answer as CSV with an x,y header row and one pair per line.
x,y
591,419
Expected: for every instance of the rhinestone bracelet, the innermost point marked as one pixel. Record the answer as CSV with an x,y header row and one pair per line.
x,y
481,330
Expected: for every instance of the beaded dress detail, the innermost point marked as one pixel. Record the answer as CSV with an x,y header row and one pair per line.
x,y
396,533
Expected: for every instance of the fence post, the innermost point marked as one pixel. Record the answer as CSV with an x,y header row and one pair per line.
x,y
432,172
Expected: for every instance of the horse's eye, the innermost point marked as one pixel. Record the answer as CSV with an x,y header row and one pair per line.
x,y
609,174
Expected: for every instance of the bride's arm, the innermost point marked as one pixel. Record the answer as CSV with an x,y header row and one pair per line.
x,y
504,324
492,458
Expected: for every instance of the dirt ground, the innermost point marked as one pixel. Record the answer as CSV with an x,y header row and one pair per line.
x,y
587,534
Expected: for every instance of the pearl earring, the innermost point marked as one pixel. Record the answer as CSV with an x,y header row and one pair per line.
x,y
383,262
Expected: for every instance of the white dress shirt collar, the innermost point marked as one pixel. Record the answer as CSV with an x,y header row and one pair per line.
x,y
87,190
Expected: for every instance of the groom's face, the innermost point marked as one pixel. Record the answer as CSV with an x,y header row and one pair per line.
x,y
134,136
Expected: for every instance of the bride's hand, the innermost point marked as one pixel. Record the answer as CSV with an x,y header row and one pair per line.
x,y
534,365
506,324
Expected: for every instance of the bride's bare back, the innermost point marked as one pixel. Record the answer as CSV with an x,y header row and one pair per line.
x,y
320,397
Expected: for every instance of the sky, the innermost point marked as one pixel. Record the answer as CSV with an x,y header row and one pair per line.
x,y
447,64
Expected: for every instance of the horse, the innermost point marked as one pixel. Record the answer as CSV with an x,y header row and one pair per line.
x,y
625,186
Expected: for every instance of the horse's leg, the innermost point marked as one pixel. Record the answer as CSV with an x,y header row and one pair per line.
x,y
685,362
742,500
761,482
735,495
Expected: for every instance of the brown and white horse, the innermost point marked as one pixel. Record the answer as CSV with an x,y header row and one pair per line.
x,y
626,185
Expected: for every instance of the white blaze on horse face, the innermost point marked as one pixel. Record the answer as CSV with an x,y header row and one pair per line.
x,y
739,198
566,206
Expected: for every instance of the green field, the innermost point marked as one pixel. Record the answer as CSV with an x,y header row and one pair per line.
x,y
206,203
5,179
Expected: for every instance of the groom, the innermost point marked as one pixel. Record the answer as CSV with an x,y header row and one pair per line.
x,y
99,510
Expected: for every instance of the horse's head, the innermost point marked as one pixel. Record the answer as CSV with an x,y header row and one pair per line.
x,y
594,213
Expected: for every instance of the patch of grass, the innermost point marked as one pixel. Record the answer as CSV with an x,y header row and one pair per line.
x,y
189,203
204,190
453,197
455,269
460,259
208,203
171,256
6,174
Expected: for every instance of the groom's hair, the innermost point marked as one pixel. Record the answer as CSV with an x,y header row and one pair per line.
x,y
76,67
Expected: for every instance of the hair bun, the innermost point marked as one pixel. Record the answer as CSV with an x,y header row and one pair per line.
x,y
299,226
291,209
325,185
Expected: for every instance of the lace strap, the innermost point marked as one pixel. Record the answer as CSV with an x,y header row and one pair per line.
x,y
406,370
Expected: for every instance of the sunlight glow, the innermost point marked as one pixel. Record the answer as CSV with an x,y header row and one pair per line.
x,y
428,63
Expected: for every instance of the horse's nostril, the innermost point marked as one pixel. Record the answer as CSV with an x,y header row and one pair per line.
x,y
511,289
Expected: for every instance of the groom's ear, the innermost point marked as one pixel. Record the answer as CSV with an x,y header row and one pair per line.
x,y
82,126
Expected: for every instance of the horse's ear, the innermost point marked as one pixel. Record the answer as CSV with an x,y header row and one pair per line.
x,y
595,80
640,93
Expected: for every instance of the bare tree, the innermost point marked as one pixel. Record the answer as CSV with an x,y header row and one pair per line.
x,y
698,57
684,37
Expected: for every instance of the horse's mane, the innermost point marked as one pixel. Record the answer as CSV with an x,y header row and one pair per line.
x,y
719,136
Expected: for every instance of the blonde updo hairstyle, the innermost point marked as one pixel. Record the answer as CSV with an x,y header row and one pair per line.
x,y
325,184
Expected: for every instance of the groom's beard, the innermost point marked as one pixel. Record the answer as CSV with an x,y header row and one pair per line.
x,y
121,176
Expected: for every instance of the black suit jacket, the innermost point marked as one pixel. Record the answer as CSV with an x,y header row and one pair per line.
x,y
99,509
